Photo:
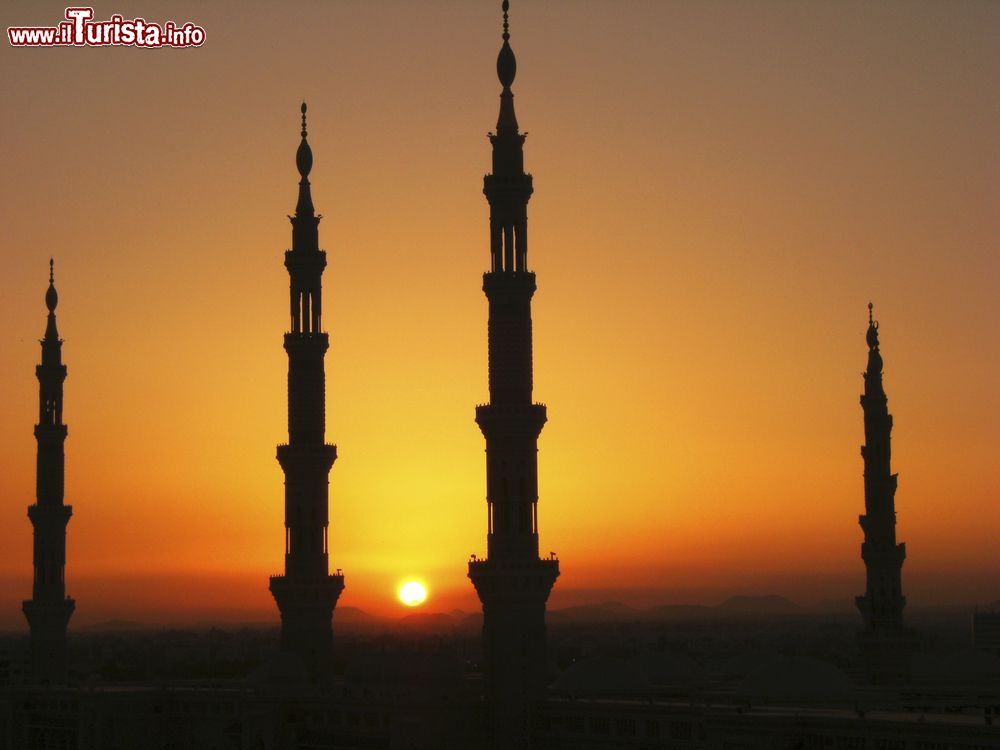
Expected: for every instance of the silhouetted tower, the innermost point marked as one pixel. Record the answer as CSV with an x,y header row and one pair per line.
x,y
883,639
49,609
512,582
306,594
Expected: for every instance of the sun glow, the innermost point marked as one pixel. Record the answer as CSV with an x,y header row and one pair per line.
x,y
412,593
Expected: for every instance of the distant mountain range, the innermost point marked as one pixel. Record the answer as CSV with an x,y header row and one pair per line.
x,y
734,608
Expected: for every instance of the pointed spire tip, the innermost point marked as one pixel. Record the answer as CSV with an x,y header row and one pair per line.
x,y
51,297
303,156
506,62
872,335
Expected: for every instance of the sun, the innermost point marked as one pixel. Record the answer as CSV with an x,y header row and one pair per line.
x,y
412,593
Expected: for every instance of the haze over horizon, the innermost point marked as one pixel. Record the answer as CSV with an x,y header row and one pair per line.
x,y
719,191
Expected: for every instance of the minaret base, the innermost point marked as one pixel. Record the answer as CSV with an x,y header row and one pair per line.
x,y
513,594
885,655
307,619
48,622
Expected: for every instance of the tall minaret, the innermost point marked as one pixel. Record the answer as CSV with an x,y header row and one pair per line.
x,y
307,593
883,639
49,609
512,582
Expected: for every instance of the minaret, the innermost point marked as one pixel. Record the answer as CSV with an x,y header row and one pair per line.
x,y
49,609
883,639
306,594
512,582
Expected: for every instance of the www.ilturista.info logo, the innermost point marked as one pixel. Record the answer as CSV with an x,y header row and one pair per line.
x,y
78,30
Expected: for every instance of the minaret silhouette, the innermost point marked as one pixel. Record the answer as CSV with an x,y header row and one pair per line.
x,y
49,609
883,639
512,582
306,594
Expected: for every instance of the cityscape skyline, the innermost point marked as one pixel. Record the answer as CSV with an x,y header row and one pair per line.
x,y
727,498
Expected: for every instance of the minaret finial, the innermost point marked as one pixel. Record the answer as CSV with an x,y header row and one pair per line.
x,y
51,297
304,162
872,335
506,62
304,156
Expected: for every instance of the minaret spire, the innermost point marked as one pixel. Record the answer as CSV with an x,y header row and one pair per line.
x,y
512,582
507,142
51,300
508,188
49,609
304,161
306,594
883,639
506,71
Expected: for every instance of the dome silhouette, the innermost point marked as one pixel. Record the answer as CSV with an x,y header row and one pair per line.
x,y
961,665
666,668
802,678
601,673
284,669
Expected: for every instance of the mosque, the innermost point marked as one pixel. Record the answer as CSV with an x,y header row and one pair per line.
x,y
655,701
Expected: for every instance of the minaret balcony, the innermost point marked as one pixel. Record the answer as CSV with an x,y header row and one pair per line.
x,y
509,286
516,188
306,458
48,615
514,582
499,421
883,553
291,592
50,434
307,344
305,261
46,516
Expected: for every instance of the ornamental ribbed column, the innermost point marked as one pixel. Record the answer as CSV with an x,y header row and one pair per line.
x,y
513,583
306,594
883,640
49,609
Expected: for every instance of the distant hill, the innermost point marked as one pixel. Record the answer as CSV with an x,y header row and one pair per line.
x,y
352,616
438,622
428,621
736,606
759,605
116,626
680,612
604,612
834,607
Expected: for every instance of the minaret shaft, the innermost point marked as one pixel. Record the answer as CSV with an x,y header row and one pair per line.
x,y
306,594
513,583
49,610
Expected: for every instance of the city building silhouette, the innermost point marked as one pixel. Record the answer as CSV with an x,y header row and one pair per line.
x,y
512,582
306,594
49,609
883,639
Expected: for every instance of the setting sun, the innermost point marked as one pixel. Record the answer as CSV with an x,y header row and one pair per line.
x,y
412,593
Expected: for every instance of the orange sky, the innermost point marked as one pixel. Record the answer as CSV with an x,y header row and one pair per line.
x,y
720,189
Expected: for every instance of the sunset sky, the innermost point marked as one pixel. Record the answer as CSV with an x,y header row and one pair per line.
x,y
720,188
